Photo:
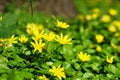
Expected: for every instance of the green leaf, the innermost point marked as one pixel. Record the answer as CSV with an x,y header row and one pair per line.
x,y
88,75
14,76
67,52
3,64
8,25
118,65
112,68
68,68
95,66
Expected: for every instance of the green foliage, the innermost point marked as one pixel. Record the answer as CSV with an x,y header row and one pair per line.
x,y
20,60
8,25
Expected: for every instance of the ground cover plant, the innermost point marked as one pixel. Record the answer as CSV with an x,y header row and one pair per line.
x,y
42,47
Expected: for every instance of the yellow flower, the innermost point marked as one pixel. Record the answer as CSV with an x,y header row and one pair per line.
x,y
31,28
0,18
38,35
84,57
2,42
81,17
94,15
32,79
117,34
109,60
63,39
62,24
59,72
23,39
40,27
99,38
98,48
117,24
112,28
105,18
114,46
50,37
88,17
43,77
38,45
96,10
113,12
12,39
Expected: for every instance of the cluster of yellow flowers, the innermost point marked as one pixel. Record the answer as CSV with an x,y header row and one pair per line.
x,y
38,33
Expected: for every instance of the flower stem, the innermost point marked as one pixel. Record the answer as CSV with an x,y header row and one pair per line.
x,y
31,8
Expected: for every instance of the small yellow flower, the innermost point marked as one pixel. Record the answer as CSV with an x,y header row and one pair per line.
x,y
113,12
38,35
23,39
43,77
50,37
94,15
106,18
110,60
117,34
112,28
40,27
32,79
117,24
84,57
58,71
0,18
96,10
98,48
88,17
62,24
81,17
31,28
2,42
12,40
63,39
114,46
38,45
99,38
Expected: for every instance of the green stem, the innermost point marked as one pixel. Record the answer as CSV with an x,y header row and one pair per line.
x,y
57,48
31,8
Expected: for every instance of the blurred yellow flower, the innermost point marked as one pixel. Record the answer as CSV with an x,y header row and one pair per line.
x,y
106,18
0,18
43,77
12,39
2,42
95,15
32,79
88,17
99,38
81,17
38,45
38,34
109,60
40,27
117,24
112,28
58,71
50,37
63,39
84,57
96,10
31,28
62,24
114,46
98,48
113,12
117,34
23,39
